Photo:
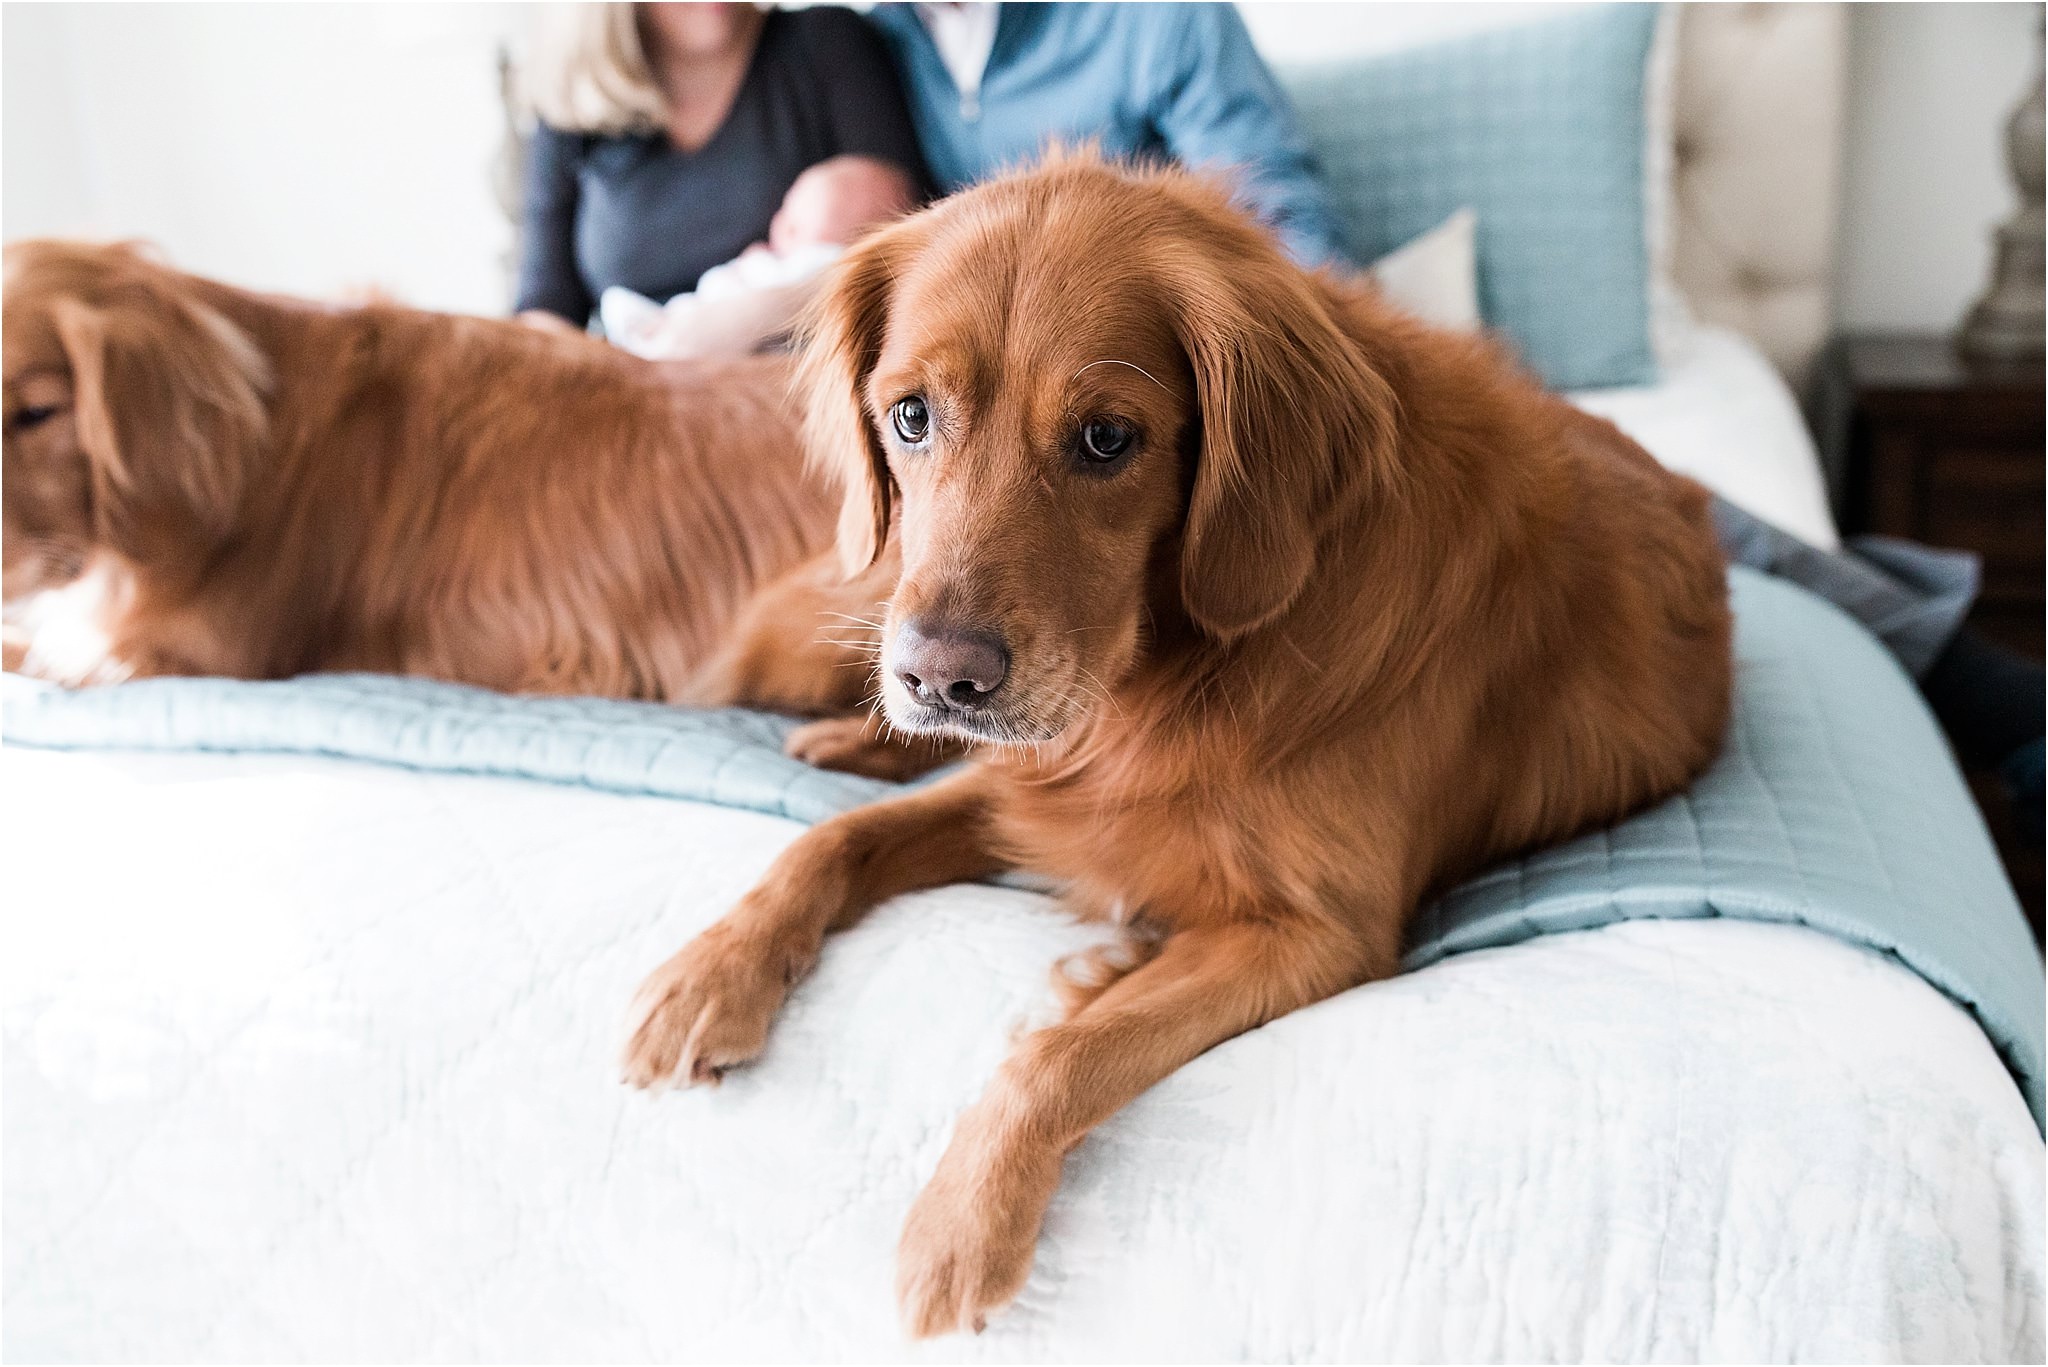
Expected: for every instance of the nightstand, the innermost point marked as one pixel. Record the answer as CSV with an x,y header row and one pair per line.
x,y
1918,442
1921,444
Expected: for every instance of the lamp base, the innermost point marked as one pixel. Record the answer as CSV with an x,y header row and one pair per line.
x,y
2007,324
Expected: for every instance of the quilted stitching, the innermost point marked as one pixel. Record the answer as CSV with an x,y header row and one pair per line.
x,y
1655,1140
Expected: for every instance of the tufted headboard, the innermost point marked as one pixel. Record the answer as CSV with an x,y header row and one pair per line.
x,y
1757,127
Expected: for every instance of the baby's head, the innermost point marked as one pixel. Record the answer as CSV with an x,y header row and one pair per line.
x,y
833,202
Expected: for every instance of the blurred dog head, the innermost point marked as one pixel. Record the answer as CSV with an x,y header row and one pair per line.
x,y
133,411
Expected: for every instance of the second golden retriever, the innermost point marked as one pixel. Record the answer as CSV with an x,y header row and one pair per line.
x,y
226,482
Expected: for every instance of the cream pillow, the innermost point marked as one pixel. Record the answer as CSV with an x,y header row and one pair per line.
x,y
1435,277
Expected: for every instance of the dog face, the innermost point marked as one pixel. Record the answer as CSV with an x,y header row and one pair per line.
x,y
131,412
46,528
1081,397
1038,466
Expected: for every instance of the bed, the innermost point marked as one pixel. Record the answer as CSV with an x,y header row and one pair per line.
x,y
343,1086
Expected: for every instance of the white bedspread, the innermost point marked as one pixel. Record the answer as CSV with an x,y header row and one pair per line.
x,y
310,1105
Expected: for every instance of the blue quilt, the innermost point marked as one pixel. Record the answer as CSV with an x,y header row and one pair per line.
x,y
1835,803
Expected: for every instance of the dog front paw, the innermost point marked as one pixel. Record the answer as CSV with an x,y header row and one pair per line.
x,y
854,745
968,1244
708,1008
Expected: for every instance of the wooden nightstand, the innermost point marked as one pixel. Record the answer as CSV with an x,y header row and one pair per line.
x,y
1919,443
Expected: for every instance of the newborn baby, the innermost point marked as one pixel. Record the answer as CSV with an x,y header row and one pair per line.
x,y
740,305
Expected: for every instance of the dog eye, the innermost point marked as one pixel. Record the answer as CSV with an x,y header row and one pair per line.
x,y
1103,440
35,416
911,419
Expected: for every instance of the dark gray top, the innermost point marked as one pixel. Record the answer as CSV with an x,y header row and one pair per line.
x,y
640,212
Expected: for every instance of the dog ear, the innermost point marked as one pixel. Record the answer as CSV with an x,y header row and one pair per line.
x,y
1291,412
842,336
168,398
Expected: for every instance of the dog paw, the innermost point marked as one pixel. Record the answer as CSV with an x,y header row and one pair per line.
x,y
707,1009
850,745
830,744
968,1244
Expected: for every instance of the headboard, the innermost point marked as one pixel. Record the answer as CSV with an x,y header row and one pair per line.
x,y
1757,167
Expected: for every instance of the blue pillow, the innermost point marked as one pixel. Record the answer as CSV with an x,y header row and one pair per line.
x,y
1540,129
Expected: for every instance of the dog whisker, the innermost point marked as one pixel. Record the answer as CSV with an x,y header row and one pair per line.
x,y
1140,369
1102,692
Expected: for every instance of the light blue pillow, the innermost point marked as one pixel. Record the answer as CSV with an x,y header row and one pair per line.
x,y
1540,129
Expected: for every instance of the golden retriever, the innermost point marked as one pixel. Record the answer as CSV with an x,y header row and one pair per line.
x,y
1269,612
224,482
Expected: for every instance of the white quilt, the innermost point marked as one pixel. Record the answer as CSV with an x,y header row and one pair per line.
x,y
308,1105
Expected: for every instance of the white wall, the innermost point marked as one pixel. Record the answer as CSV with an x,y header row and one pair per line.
x,y
324,147
42,176
315,148
1930,86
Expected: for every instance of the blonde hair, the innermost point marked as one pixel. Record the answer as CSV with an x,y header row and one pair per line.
x,y
586,71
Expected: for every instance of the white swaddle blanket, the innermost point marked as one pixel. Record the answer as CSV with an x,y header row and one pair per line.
x,y
648,329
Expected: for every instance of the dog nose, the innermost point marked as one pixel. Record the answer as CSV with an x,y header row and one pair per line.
x,y
950,666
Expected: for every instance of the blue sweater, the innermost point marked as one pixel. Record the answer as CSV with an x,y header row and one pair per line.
x,y
1181,81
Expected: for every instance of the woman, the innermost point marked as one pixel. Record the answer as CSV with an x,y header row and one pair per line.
x,y
669,135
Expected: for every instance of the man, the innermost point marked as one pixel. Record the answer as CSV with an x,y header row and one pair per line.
x,y
990,85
